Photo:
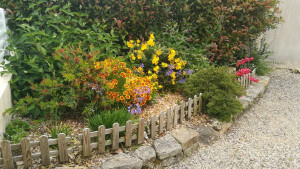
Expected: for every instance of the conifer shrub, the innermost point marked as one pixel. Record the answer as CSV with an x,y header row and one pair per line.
x,y
220,92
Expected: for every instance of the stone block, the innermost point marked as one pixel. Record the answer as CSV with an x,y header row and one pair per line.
x,y
146,153
166,147
172,160
189,151
185,137
122,161
208,135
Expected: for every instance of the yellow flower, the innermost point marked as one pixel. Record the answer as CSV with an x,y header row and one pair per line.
x,y
130,45
140,52
132,56
163,64
178,66
139,56
173,82
173,75
140,70
151,36
171,55
138,41
150,42
156,68
149,72
177,60
144,47
159,52
155,59
183,63
154,76
160,86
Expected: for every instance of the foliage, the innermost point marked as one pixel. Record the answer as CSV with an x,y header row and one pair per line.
x,y
86,85
162,64
220,89
215,28
108,118
37,28
16,130
260,55
61,128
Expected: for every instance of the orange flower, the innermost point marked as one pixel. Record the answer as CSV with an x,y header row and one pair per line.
x,y
122,98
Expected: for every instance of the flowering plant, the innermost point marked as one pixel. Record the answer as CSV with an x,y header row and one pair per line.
x,y
159,63
244,70
121,84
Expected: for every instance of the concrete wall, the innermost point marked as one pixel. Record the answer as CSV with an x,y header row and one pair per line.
x,y
5,92
285,40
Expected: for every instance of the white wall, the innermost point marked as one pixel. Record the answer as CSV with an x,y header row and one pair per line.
x,y
285,40
5,92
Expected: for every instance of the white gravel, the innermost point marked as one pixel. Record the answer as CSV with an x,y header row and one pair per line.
x,y
267,136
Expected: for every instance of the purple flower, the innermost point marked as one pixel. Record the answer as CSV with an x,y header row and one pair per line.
x,y
169,72
182,80
170,66
188,71
141,65
179,73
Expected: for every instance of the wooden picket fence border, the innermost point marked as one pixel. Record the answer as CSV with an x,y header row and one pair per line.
x,y
133,132
245,80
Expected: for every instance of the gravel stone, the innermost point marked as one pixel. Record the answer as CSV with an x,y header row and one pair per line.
x,y
267,136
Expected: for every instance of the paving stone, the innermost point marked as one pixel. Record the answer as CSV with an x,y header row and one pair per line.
x,y
185,136
189,151
146,153
207,134
122,161
172,160
166,147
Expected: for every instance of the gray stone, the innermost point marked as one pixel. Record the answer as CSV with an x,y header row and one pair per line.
x,y
208,135
216,124
172,160
122,161
190,150
185,136
166,147
146,153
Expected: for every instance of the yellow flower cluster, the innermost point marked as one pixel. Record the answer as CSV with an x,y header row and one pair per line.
x,y
161,65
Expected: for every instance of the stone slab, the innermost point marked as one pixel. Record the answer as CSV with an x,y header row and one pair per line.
x,y
166,147
146,153
189,151
207,134
122,161
186,137
172,160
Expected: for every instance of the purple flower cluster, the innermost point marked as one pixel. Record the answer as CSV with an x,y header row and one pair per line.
x,y
135,108
96,87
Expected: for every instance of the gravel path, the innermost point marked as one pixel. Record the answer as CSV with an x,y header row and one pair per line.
x,y
267,136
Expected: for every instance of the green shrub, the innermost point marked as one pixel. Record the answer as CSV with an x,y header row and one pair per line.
x,y
16,130
220,89
260,56
61,128
108,118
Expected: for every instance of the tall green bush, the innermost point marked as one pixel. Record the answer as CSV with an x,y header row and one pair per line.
x,y
220,90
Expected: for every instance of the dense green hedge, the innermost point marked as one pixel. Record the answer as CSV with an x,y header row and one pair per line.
x,y
218,29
